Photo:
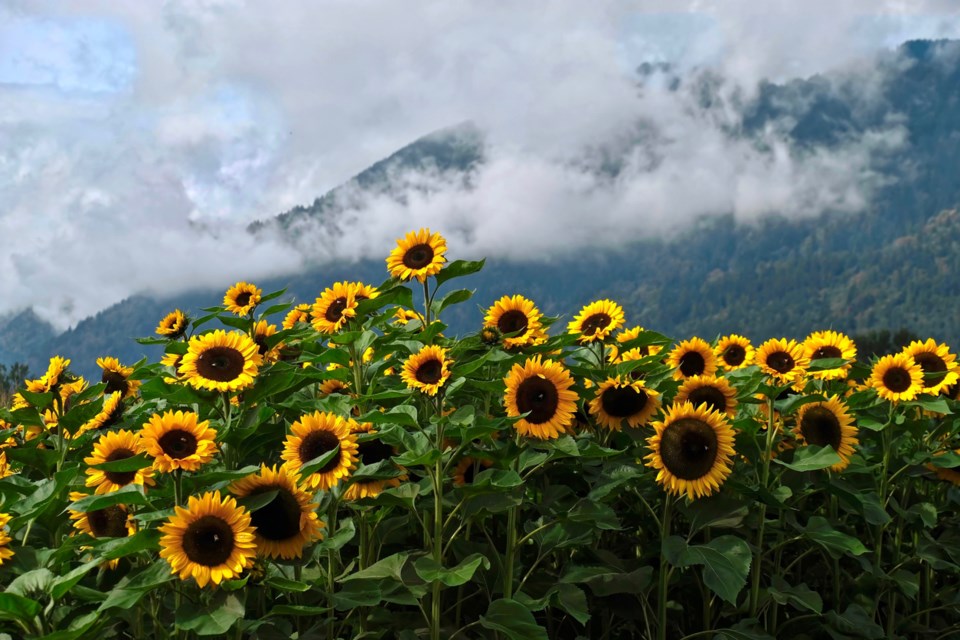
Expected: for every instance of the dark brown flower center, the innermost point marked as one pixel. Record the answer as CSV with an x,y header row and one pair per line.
x,y
827,351
121,478
734,355
221,364
113,417
335,310
208,541
688,448
115,382
178,444
280,518
934,368
512,321
539,396
315,444
623,402
429,372
243,299
109,522
821,427
692,364
374,451
897,379
261,342
712,396
418,256
596,322
781,362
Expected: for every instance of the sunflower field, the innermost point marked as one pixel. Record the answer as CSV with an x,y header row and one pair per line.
x,y
346,469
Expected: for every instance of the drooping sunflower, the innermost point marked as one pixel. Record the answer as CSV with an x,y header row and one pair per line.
x,y
5,551
897,377
596,321
619,400
109,415
717,393
173,325
111,447
370,451
334,308
734,352
262,330
114,521
829,344
783,360
172,360
314,435
177,440
117,377
516,318
55,370
542,390
299,314
467,469
211,540
693,449
940,369
288,522
220,361
828,423
951,475
241,298
403,316
427,370
693,357
333,386
420,254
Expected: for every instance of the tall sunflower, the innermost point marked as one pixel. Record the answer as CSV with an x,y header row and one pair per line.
x,y
211,540
596,321
782,359
693,449
176,440
540,389
940,369
114,521
5,551
117,377
312,436
693,357
173,325
109,415
828,423
734,352
111,447
427,370
241,298
334,308
619,400
897,377
299,314
420,254
220,361
370,451
829,344
288,522
516,318
718,394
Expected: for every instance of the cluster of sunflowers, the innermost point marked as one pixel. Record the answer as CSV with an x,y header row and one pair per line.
x,y
519,481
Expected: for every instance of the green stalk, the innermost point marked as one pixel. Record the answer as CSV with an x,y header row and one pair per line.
x,y
764,479
510,551
664,577
331,565
426,304
836,561
437,547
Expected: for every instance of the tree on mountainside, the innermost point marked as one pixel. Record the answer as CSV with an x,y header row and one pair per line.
x,y
11,378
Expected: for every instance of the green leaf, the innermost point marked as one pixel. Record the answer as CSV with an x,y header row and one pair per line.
x,y
605,582
937,405
133,463
143,540
719,511
726,563
286,584
430,571
856,622
457,269
512,619
62,584
19,607
133,587
573,600
800,596
211,620
389,567
319,462
38,400
258,501
811,458
819,530
297,610
345,533
130,494
454,297
362,593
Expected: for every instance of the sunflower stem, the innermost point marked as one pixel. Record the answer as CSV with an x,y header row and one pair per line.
x,y
331,565
426,304
664,576
836,561
764,479
437,546
178,487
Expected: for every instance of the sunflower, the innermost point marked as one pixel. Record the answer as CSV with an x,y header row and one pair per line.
x,y
828,423
897,377
116,376
314,435
782,359
516,318
299,314
541,390
288,522
262,330
829,344
418,255
427,370
175,440
5,470
734,352
402,316
717,393
55,370
172,360
109,415
692,448
596,321
951,475
334,308
693,357
113,446
369,452
114,521
940,369
5,551
333,386
618,400
173,325
363,291
467,469
616,355
241,298
211,540
220,361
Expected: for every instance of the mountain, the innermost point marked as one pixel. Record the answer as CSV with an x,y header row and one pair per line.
x,y
890,266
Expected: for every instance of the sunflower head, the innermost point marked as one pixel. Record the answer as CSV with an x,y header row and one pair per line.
x,y
173,325
514,317
692,449
828,423
212,540
5,551
596,321
467,469
951,475
618,401
783,360
220,361
897,377
109,415
315,435
829,345
717,393
334,307
693,357
734,352
427,370
262,330
419,254
112,447
117,377
178,440
403,316
114,521
370,451
242,298
300,314
939,366
540,391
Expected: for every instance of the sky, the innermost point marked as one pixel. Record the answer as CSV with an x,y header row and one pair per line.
x,y
139,139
